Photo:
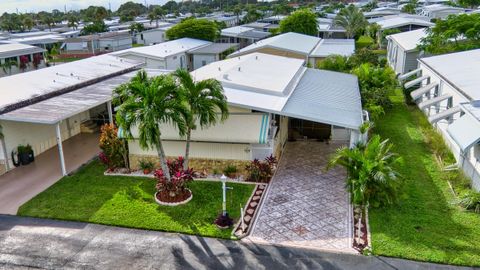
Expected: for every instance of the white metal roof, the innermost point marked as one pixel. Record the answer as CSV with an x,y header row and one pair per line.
x,y
410,39
465,131
460,69
282,85
44,39
293,42
31,85
17,49
55,109
165,49
235,30
402,21
326,47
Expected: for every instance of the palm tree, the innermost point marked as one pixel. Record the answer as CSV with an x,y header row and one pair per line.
x,y
155,15
351,18
73,21
27,22
206,102
53,54
371,175
147,102
48,21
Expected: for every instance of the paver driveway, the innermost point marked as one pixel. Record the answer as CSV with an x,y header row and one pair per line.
x,y
306,206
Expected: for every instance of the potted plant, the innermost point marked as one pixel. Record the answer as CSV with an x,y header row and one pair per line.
x,y
25,154
230,171
146,166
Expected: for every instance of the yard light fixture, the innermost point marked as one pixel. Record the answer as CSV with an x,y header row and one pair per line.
x,y
223,221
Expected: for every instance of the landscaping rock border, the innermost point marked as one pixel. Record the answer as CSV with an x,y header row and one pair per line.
x,y
360,229
250,211
173,204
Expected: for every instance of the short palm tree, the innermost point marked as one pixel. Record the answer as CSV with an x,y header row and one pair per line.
x,y
155,15
351,18
371,175
7,66
206,102
146,103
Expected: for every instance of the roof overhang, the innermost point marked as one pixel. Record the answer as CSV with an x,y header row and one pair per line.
x,y
465,131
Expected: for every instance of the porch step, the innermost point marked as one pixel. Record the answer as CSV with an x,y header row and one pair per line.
x,y
89,127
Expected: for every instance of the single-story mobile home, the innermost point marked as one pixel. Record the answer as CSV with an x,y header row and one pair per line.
x,y
45,107
271,99
295,45
17,57
446,90
402,51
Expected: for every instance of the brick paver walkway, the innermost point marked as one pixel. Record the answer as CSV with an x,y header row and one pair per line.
x,y
306,206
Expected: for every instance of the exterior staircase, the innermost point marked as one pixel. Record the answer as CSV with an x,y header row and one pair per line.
x,y
89,127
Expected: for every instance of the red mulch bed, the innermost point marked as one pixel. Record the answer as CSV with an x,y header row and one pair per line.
x,y
164,196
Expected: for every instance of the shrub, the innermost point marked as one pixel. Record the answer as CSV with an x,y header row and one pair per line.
x,y
146,165
364,42
113,148
230,170
261,171
470,200
179,182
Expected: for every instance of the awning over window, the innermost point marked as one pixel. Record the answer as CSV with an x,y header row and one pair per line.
x,y
422,91
415,81
409,74
465,131
443,115
433,101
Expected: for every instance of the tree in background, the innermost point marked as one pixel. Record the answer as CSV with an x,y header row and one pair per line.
x,y
410,7
352,19
456,33
156,14
252,15
194,28
137,27
129,10
72,21
94,28
302,21
206,103
473,4
48,20
27,22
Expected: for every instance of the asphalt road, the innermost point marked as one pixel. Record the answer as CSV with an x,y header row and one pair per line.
x,y
27,243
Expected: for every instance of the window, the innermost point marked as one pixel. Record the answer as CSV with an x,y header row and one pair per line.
x,y
204,62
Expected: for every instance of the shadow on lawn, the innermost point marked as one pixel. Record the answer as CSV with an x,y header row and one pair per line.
x,y
424,212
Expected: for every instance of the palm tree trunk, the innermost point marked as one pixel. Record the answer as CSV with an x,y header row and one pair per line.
x,y
187,149
163,159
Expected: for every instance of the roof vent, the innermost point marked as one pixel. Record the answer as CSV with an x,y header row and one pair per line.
x,y
239,69
219,69
71,74
256,57
476,103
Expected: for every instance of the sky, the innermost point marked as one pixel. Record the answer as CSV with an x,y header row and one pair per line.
x,y
48,5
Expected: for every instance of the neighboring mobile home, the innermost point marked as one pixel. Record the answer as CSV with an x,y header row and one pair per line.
x,y
402,51
17,57
446,90
45,107
167,55
295,45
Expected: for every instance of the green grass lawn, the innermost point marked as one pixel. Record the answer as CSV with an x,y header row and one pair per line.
x,y
128,201
426,224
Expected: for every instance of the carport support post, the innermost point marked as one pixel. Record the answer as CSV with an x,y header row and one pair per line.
x,y
60,149
110,113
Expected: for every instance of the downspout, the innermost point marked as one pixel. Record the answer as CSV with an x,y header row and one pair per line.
x,y
5,153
